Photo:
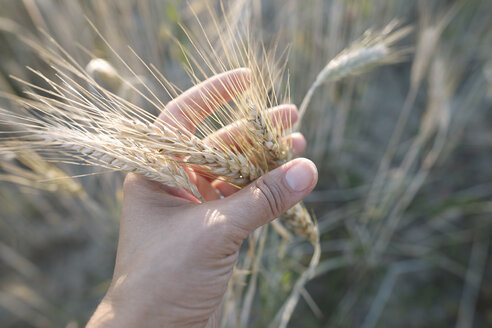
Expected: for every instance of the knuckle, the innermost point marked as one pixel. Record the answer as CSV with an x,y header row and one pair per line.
x,y
136,185
272,195
129,182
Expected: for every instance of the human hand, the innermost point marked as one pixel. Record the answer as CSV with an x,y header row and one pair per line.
x,y
176,255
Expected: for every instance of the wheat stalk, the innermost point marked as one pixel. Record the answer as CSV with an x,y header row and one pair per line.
x,y
155,151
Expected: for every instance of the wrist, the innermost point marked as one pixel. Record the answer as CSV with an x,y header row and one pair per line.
x,y
131,311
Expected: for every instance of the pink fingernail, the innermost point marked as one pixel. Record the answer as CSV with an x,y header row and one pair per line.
x,y
301,175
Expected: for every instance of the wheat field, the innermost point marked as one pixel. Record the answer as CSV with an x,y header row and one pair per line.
x,y
394,101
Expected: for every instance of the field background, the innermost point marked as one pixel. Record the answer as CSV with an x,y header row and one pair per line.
x,y
404,151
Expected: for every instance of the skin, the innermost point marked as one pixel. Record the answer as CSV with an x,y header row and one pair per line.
x,y
176,255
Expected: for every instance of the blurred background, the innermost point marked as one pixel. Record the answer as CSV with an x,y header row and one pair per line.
x,y
404,201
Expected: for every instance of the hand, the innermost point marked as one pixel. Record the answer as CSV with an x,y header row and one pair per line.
x,y
176,255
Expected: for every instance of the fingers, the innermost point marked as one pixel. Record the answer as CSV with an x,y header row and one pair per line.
x,y
269,196
205,188
297,142
195,104
282,116
203,185
225,188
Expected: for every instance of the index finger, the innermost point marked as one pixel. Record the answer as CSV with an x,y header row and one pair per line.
x,y
195,104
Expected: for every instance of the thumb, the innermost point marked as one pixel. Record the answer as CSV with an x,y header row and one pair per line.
x,y
270,195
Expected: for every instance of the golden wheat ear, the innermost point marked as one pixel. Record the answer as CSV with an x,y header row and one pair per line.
x,y
299,220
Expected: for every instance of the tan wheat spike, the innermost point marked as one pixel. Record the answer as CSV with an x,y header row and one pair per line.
x,y
373,49
193,151
299,220
105,151
91,110
269,138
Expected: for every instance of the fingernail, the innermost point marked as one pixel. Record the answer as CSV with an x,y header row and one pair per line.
x,y
301,175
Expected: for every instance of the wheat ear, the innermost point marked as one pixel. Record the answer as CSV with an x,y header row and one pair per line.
x,y
374,49
108,152
299,220
220,163
269,137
